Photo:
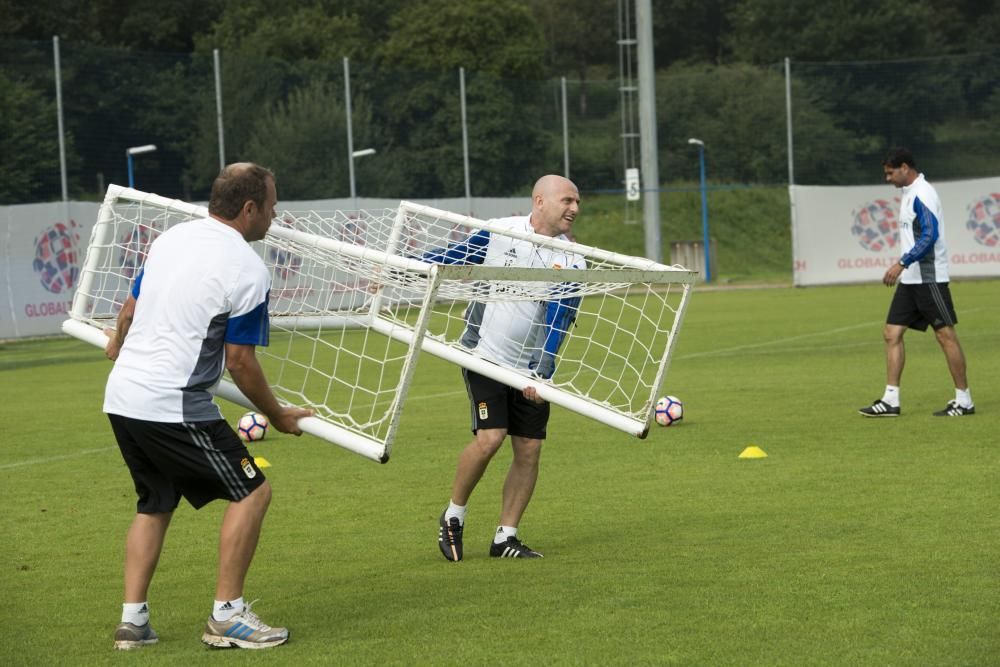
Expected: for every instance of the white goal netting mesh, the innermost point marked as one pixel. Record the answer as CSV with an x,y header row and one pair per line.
x,y
356,295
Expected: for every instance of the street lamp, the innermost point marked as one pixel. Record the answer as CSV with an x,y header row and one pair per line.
x,y
136,150
354,155
704,207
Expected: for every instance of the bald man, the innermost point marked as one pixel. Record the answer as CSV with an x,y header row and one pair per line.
x,y
523,335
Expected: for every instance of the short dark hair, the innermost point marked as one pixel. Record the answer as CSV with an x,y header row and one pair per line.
x,y
235,185
899,156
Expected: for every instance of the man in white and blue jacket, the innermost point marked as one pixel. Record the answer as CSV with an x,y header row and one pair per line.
x,y
922,296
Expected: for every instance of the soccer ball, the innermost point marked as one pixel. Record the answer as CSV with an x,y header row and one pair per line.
x,y
252,427
669,410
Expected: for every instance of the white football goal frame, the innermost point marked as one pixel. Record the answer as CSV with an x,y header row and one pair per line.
x,y
369,271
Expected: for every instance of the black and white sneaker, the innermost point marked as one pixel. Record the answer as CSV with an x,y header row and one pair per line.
x,y
879,409
512,548
450,538
953,409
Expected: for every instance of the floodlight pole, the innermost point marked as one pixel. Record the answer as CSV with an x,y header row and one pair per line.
x,y
647,129
704,207
350,132
136,150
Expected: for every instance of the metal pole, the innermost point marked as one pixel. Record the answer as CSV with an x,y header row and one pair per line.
x,y
647,129
465,141
350,132
218,108
131,177
704,215
565,130
792,214
788,118
59,117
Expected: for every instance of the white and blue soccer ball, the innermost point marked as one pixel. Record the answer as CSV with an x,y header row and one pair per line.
x,y
669,410
252,427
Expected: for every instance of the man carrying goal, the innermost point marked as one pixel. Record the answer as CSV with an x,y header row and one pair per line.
x,y
520,334
200,301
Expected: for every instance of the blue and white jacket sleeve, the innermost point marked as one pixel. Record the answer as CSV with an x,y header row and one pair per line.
x,y
560,314
248,322
470,251
929,233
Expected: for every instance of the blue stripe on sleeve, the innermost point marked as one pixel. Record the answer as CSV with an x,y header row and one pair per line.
x,y
470,251
251,328
928,233
137,283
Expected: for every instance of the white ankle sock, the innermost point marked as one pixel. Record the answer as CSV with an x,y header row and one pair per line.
x,y
503,532
223,610
963,397
891,396
136,613
455,511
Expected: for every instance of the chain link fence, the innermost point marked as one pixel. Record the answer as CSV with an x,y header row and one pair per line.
x,y
292,117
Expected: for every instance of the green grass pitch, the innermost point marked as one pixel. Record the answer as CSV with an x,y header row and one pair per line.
x,y
855,542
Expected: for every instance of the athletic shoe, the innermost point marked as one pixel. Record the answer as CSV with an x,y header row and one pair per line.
x,y
244,630
450,538
512,548
128,636
879,409
953,409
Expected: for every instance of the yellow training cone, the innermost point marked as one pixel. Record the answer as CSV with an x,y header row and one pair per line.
x,y
753,452
264,463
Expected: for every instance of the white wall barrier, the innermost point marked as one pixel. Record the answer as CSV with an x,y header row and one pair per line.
x,y
842,235
849,234
42,247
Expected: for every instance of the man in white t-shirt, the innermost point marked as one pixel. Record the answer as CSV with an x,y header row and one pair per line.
x,y
922,297
199,305
520,334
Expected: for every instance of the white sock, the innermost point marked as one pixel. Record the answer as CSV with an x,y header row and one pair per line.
x,y
226,609
891,396
136,613
503,532
963,397
455,511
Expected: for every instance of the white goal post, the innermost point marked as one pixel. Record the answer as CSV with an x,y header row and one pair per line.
x,y
614,357
321,354
357,295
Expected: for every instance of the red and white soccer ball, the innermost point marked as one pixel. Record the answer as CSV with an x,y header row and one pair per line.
x,y
252,427
669,411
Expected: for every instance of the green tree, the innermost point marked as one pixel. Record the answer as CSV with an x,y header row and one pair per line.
x,y
692,31
739,112
290,31
580,40
160,25
767,31
480,35
303,139
29,144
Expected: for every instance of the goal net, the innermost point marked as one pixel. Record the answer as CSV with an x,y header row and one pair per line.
x,y
606,357
357,295
321,353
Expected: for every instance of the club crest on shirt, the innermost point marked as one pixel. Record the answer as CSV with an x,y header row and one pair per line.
x,y
483,412
248,468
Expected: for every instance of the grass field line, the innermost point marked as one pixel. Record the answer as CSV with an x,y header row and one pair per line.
x,y
50,459
778,341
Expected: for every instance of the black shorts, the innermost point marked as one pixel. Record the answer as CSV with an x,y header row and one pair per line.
x,y
923,305
495,405
201,461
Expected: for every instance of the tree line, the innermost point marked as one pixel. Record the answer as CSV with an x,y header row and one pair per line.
x,y
864,75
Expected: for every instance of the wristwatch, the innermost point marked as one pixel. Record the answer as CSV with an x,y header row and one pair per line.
x,y
901,264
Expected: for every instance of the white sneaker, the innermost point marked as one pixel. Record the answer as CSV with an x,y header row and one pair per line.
x,y
244,630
